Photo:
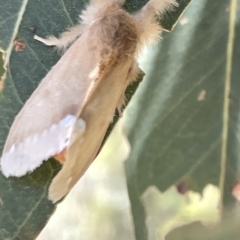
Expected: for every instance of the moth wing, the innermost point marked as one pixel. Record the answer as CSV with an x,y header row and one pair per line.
x,y
43,126
97,114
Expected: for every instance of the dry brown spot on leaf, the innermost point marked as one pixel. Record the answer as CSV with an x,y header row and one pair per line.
x,y
236,191
184,20
182,187
201,95
33,29
19,45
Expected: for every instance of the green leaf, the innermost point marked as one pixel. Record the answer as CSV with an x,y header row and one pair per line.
x,y
228,230
24,207
183,122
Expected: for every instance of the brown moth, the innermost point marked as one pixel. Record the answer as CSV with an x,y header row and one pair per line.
x,y
74,104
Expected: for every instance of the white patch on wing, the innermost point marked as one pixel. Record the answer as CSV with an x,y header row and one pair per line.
x,y
36,148
77,130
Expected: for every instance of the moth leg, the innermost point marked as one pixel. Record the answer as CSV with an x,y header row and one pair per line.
x,y
64,40
121,103
103,2
132,75
148,25
158,7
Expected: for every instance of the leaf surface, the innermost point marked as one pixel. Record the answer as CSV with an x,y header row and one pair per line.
x,y
183,122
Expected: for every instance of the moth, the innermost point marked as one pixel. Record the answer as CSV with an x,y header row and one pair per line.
x,y
74,104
